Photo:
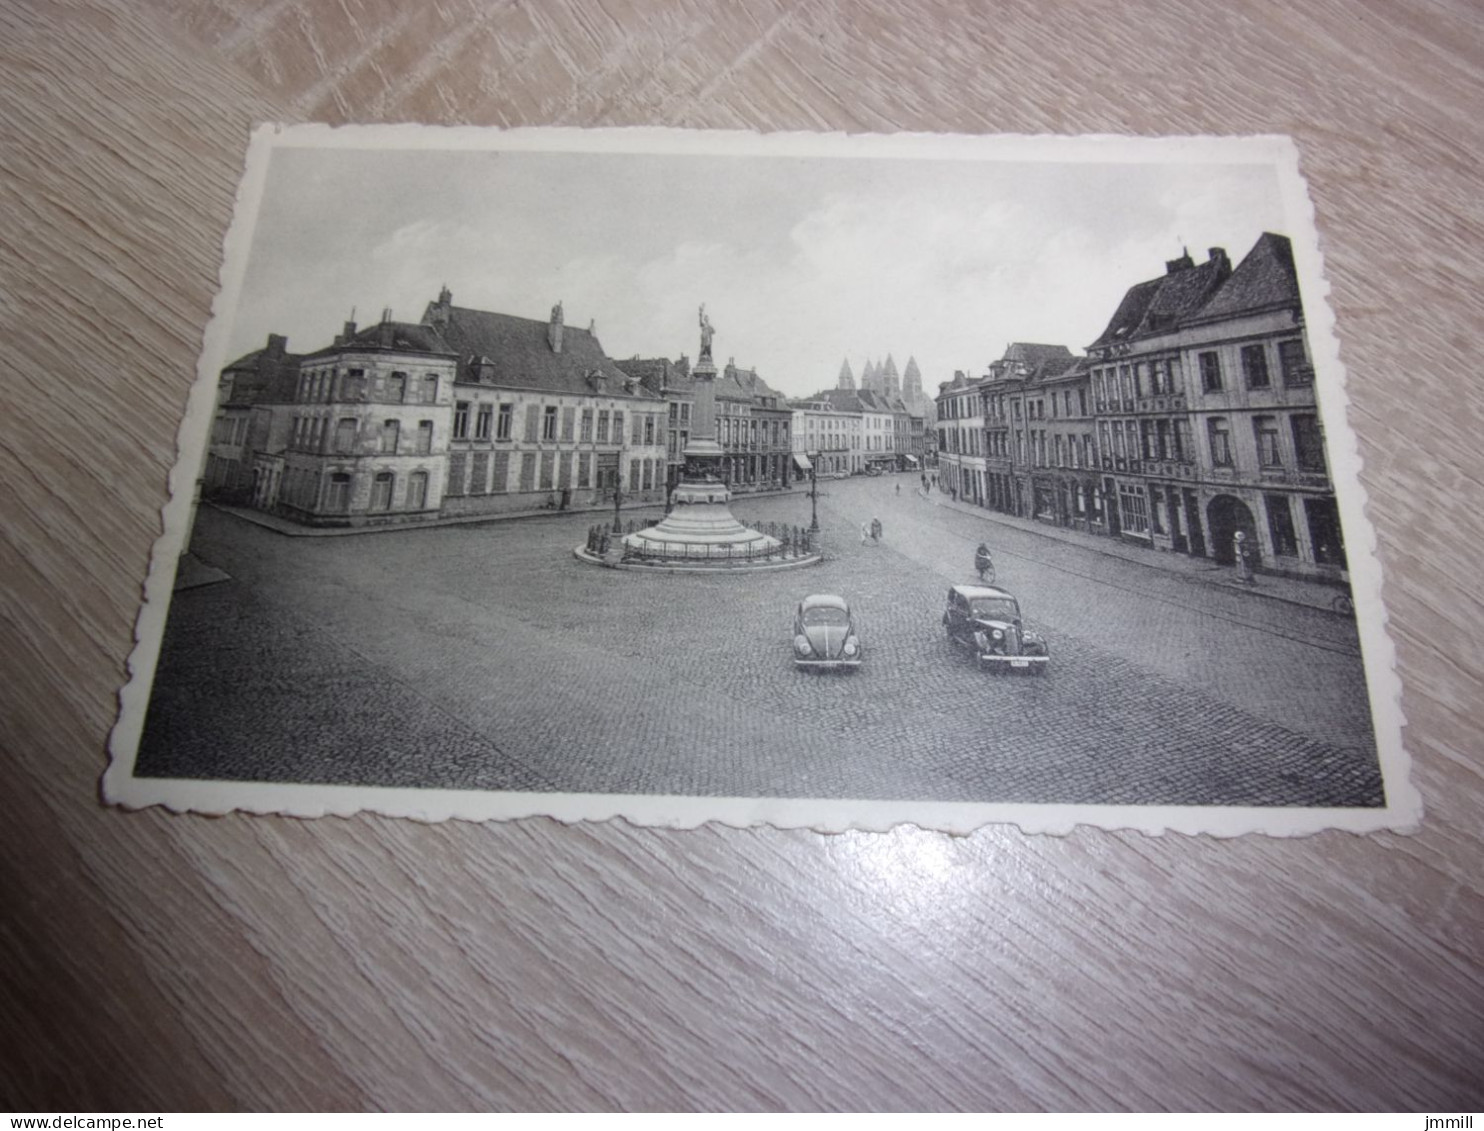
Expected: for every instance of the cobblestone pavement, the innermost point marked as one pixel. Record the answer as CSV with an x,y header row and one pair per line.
x,y
487,657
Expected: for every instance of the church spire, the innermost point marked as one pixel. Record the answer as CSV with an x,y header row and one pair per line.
x,y
890,382
847,378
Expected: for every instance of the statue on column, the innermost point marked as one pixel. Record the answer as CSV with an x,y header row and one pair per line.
x,y
706,332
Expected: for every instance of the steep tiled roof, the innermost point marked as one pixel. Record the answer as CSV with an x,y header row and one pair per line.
x,y
1264,280
644,367
675,377
1061,369
1032,354
246,361
960,382
840,400
857,400
741,384
1156,305
520,355
1056,366
397,337
659,374
267,376
1130,313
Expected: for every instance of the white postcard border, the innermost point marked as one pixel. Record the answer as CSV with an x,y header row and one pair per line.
x,y
1402,811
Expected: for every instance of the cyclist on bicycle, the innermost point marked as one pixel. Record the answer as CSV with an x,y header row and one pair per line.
x,y
984,564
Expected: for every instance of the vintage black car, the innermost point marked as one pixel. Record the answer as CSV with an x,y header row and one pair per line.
x,y
825,635
987,621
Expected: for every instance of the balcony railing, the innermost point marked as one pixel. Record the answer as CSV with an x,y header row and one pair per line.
x,y
1169,468
1294,478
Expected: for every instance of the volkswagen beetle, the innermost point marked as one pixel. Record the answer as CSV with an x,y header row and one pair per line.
x,y
825,635
987,622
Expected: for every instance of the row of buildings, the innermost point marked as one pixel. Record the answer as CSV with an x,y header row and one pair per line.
x,y
470,412
467,412
1191,419
855,431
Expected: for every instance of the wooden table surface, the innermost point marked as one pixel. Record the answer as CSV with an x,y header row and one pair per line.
x,y
166,962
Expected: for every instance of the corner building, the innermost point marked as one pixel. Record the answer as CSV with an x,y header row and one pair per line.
x,y
962,438
364,437
1206,416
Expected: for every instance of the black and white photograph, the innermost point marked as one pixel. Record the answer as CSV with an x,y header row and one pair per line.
x,y
817,481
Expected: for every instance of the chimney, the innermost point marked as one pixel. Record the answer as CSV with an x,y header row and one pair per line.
x,y
347,332
1217,255
554,329
278,345
384,331
1181,264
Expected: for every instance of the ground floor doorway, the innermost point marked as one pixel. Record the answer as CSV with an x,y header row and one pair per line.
x,y
1227,516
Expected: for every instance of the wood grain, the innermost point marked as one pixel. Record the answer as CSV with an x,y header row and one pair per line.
x,y
159,962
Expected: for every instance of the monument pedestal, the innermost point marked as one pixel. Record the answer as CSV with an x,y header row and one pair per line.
x,y
700,532
700,528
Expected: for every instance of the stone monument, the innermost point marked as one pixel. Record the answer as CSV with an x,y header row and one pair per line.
x,y
700,533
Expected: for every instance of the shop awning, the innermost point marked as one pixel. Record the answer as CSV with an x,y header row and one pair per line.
x,y
911,459
801,461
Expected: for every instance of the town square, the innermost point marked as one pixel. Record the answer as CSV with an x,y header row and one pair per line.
x,y
487,657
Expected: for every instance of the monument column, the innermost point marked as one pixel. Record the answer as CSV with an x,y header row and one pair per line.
x,y
699,532
702,450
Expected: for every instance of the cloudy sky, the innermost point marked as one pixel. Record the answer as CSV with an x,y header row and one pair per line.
x,y
801,262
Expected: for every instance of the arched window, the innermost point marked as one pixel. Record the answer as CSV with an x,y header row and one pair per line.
x,y
381,491
417,490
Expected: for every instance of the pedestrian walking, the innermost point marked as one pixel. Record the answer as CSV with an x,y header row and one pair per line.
x,y
865,533
899,488
876,530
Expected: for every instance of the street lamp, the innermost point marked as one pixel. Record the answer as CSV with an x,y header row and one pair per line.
x,y
617,502
814,492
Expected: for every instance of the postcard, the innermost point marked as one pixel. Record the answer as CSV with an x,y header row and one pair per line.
x,y
815,481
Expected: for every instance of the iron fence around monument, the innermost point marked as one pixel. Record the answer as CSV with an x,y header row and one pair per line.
x,y
790,543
